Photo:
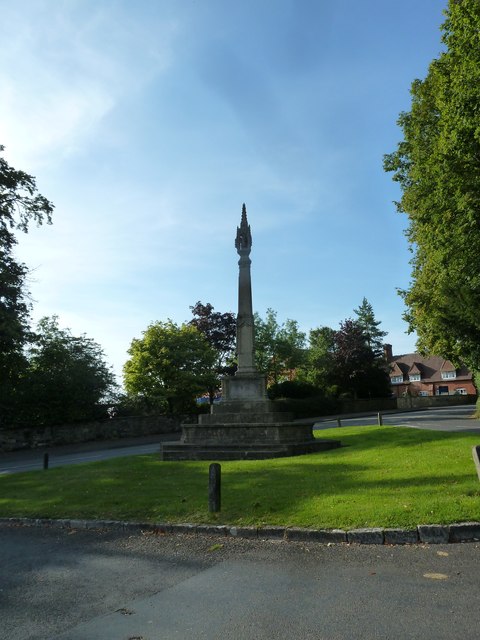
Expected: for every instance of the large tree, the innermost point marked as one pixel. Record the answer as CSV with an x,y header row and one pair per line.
x,y
371,327
279,348
169,365
219,330
437,165
356,368
20,205
67,379
318,365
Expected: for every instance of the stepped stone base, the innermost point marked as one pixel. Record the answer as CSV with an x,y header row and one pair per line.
x,y
259,439
184,451
244,426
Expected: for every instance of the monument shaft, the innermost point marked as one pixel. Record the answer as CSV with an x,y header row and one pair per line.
x,y
245,424
245,325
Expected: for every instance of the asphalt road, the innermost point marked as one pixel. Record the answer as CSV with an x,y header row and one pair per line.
x,y
88,585
32,459
442,419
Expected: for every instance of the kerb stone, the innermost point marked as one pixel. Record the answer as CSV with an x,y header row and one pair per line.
x,y
400,536
322,536
465,532
365,536
433,533
277,533
243,532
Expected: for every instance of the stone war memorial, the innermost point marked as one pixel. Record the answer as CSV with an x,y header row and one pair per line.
x,y
245,425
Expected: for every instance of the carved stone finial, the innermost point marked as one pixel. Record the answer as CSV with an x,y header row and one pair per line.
x,y
243,241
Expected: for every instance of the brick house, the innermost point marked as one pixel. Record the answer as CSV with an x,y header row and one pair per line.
x,y
417,375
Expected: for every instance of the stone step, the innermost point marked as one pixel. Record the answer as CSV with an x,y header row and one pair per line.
x,y
182,451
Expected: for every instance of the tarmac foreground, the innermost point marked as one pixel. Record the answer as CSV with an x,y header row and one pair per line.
x,y
91,585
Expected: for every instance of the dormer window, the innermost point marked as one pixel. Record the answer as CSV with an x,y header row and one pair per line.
x,y
414,377
449,375
396,379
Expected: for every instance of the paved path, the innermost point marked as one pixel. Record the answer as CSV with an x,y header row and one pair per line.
x,y
88,585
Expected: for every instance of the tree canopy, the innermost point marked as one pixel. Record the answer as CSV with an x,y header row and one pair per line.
x,y
219,330
318,365
20,205
371,327
169,365
279,348
437,165
356,368
67,378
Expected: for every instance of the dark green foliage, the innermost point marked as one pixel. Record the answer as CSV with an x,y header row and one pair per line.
x,y
20,204
219,330
371,327
437,165
356,368
66,379
292,389
310,407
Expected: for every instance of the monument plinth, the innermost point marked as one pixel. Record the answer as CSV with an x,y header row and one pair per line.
x,y
245,424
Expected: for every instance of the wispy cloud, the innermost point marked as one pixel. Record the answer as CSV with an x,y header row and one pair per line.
x,y
61,74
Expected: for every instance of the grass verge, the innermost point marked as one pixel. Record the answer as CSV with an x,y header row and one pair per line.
x,y
383,476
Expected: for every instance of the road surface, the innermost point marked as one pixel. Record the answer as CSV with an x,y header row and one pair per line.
x,y
88,585
32,459
441,419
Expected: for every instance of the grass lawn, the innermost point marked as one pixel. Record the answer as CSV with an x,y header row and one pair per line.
x,y
383,476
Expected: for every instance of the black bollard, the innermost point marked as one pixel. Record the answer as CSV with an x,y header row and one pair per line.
x,y
214,487
339,422
45,460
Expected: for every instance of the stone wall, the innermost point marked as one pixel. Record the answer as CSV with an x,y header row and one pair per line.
x,y
364,405
423,402
124,427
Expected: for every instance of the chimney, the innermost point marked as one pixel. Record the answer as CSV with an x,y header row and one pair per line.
x,y
387,352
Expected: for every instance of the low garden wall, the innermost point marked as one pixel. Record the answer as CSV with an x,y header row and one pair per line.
x,y
119,427
362,406
423,402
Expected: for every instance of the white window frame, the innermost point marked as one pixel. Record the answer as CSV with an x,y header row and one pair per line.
x,y
449,375
396,379
414,377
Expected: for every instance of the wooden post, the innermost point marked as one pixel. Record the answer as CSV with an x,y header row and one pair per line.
x,y
214,487
339,422
380,420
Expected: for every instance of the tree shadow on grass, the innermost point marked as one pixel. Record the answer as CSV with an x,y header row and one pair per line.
x,y
144,488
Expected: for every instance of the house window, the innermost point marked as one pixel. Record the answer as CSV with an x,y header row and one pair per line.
x,y
396,379
423,394
449,375
414,377
461,392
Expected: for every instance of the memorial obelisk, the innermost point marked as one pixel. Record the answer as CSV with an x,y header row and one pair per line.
x,y
245,424
247,385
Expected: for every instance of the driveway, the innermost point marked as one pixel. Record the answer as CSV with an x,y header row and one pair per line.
x,y
93,585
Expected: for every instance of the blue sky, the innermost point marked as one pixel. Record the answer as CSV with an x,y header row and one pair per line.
x,y
149,123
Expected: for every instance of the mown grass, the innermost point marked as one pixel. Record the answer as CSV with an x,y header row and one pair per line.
x,y
383,476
